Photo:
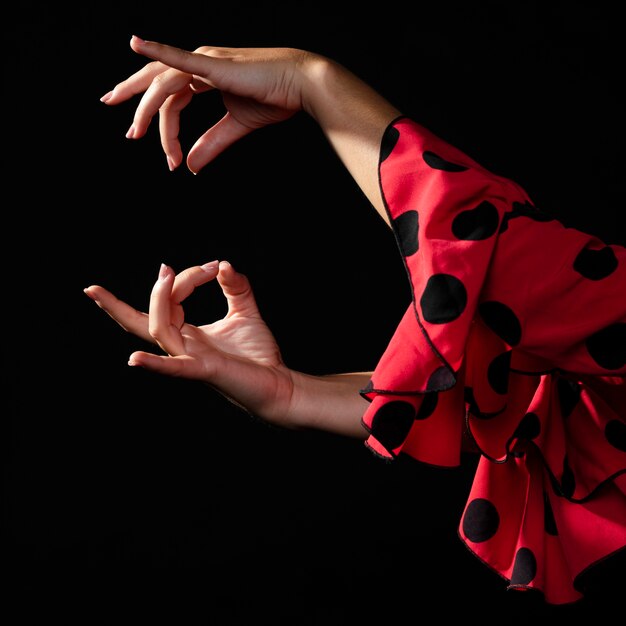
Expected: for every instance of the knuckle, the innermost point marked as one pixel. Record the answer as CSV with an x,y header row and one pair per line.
x,y
155,332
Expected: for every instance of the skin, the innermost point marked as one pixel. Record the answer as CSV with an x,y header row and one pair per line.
x,y
238,355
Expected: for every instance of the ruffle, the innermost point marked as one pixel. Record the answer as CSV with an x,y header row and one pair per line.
x,y
523,353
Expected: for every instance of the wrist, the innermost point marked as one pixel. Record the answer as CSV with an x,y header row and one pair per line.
x,y
316,73
331,403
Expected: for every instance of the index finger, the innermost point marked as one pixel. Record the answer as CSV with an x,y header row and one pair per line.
x,y
177,58
186,281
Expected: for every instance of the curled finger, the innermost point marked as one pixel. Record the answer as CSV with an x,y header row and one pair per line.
x,y
166,334
169,126
214,141
164,85
187,280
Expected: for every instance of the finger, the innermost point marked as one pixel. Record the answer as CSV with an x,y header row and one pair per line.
x,y
196,63
237,290
184,285
187,280
178,366
160,326
136,83
198,86
214,141
164,85
126,316
169,127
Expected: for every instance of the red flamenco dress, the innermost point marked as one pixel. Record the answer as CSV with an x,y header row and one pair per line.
x,y
515,339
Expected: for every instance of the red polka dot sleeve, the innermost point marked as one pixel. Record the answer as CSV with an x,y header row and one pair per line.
x,y
515,338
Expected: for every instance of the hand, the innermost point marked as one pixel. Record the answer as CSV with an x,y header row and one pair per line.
x,y
236,355
259,86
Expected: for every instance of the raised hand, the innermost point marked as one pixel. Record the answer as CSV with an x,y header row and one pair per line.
x,y
259,86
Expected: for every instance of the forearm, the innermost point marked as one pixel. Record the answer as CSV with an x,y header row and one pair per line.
x,y
329,403
353,117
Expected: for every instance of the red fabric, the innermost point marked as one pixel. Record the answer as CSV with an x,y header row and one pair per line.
x,y
515,337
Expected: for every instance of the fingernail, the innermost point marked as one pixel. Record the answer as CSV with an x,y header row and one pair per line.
x,y
106,97
210,267
86,290
170,163
130,133
138,39
225,265
163,271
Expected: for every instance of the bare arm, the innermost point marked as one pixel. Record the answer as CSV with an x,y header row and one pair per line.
x,y
353,117
237,355
331,403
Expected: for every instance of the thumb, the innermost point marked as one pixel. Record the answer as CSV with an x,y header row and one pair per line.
x,y
214,141
238,291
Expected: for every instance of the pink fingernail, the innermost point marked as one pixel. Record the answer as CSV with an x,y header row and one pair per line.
x,y
106,97
170,164
130,133
210,267
163,271
138,39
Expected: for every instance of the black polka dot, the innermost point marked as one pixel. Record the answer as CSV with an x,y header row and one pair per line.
x,y
389,141
480,520
501,319
444,299
529,427
438,163
615,433
407,229
498,372
596,264
524,567
607,347
392,422
476,224
568,482
549,523
568,392
441,378
428,406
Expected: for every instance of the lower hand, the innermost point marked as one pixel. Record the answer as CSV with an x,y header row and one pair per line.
x,y
237,355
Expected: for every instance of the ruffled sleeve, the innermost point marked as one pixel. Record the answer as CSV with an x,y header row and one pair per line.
x,y
445,211
515,337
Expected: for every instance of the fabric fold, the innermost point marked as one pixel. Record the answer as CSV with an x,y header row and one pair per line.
x,y
515,337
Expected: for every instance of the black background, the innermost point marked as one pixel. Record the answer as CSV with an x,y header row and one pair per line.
x,y
130,497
